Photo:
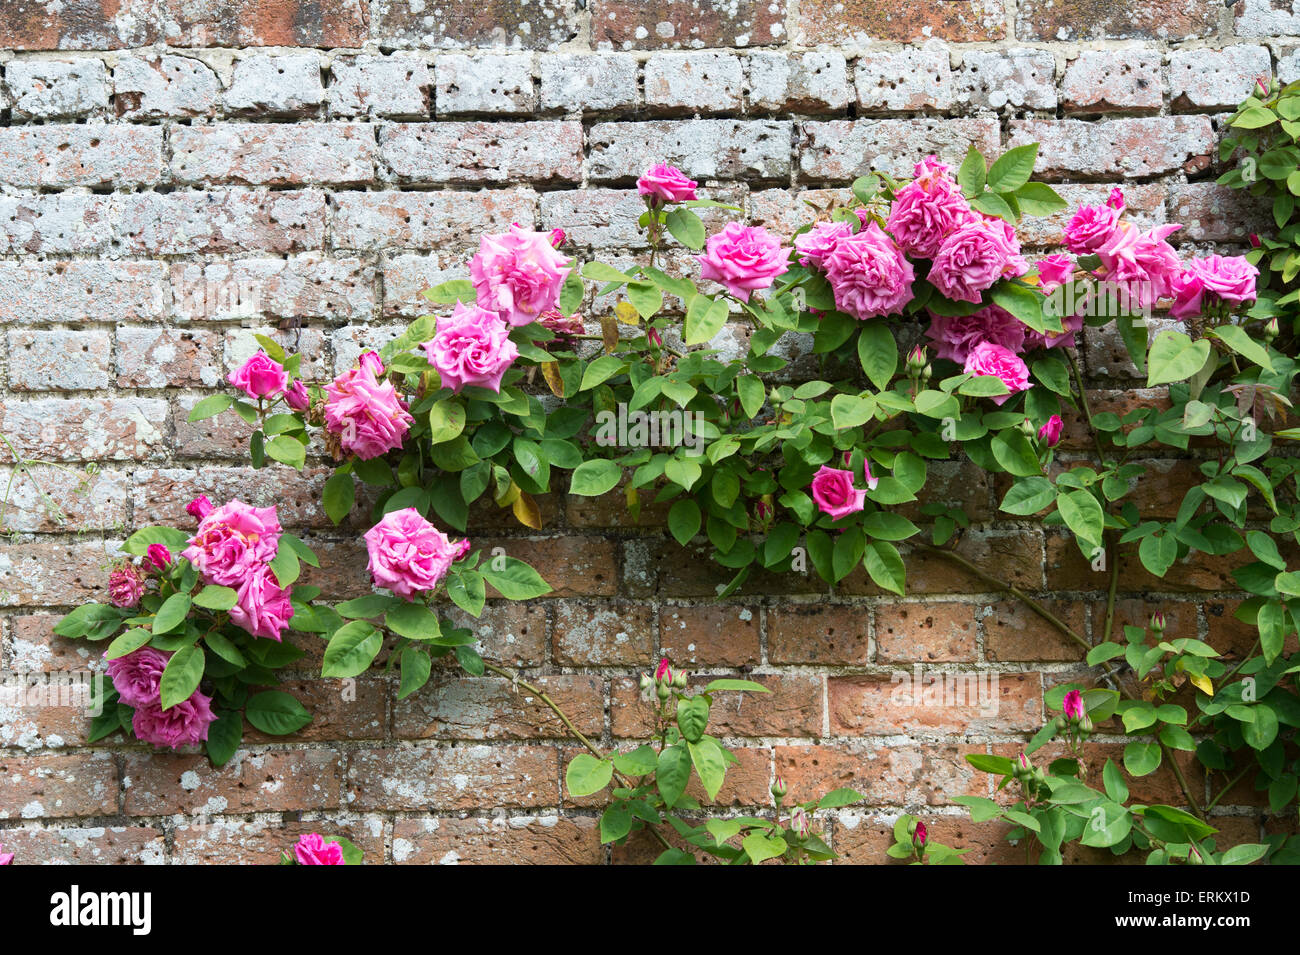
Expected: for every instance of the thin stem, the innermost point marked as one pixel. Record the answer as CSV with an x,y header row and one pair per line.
x,y
1224,791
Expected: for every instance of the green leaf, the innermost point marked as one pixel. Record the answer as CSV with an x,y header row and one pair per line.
x,y
413,621
600,370
1039,199
128,642
1141,759
615,823
588,775
339,495
351,650
276,712
684,520
1012,450
514,579
1029,496
732,684
1236,338
171,614
600,272
285,566
693,717
750,390
449,293
686,227
642,761
224,734
760,847
182,675
446,420
885,566
369,606
215,597
672,774
210,406
1082,514
1175,357
851,411
415,667
595,477
1254,117
838,798
1013,168
704,318
973,174
710,765
138,543
287,450
877,353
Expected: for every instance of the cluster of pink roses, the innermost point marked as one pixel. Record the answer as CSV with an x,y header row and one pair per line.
x,y
365,411
312,849
137,677
408,555
233,547
262,377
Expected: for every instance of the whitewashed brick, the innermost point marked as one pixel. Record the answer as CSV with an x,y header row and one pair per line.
x,y
702,82
997,79
904,80
486,83
368,85
589,82
276,84
810,82
162,87
51,89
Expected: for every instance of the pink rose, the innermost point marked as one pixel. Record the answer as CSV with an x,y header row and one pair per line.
x,y
558,237
921,835
1224,278
552,319
990,359
260,376
1071,324
125,585
815,244
1116,199
927,210
663,672
974,257
199,508
1054,271
955,336
297,397
184,724
472,346
138,675
262,606
1072,705
6,858
833,492
518,274
232,542
1142,264
745,259
1091,227
666,184
868,274
366,412
408,555
314,850
159,556
1050,433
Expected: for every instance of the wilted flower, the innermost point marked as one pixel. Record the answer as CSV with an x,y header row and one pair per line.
x,y
159,556
125,585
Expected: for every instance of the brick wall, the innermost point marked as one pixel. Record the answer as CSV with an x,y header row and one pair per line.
x,y
175,176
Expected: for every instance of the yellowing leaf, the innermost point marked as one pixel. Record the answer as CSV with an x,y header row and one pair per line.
x,y
510,496
609,332
527,512
1202,683
551,372
627,313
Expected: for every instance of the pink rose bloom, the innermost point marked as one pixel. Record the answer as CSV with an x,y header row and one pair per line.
x,y
1116,199
1224,278
185,724
921,835
232,542
297,397
199,508
138,675
1071,323
833,492
471,347
314,850
745,259
262,606
1073,705
260,377
815,244
1142,264
666,184
159,556
125,585
990,359
1054,271
558,236
408,555
366,412
518,274
955,336
974,257
1050,433
868,274
926,211
6,858
1091,227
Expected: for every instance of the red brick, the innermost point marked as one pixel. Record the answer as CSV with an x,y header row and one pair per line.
x,y
274,154
53,787
340,709
427,220
715,635
84,429
792,708
510,632
162,357
33,647
819,633
263,23
1013,556
603,634
626,25
1101,20
301,288
260,841
99,25
456,777
92,845
1142,146
1111,80
842,149
943,632
903,21
272,781
966,702
53,573
573,566
520,840
455,706
77,155
862,841
1013,632
1214,213
897,775
160,495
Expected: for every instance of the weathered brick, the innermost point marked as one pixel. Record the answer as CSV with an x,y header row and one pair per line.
x,y
1203,78
291,288
91,845
56,223
603,634
457,24
263,23
822,634
589,83
811,82
78,500
167,357
904,80
55,787
484,83
1288,66
627,25
703,149
483,152
261,840
32,647
283,84
58,360
1105,80
1013,555
260,154
76,155
216,221
857,22
785,210
83,26
970,701
1013,632
38,572
1017,78
406,276
164,87
427,220
1100,20
1143,146
518,840
454,777
792,707
1213,213
885,773
340,709
859,840
371,85
573,566
711,635
509,631
926,632
1266,18
453,706
711,82
272,781
309,342
843,149
85,429
56,89
159,495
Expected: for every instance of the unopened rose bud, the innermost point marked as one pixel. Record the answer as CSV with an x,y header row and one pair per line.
x,y
663,673
779,789
1158,621
799,821
663,691
647,684
915,361
679,679
1261,85
1024,762
1194,856
1072,705
927,372
920,835
1271,330
1027,428
1254,240
557,238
